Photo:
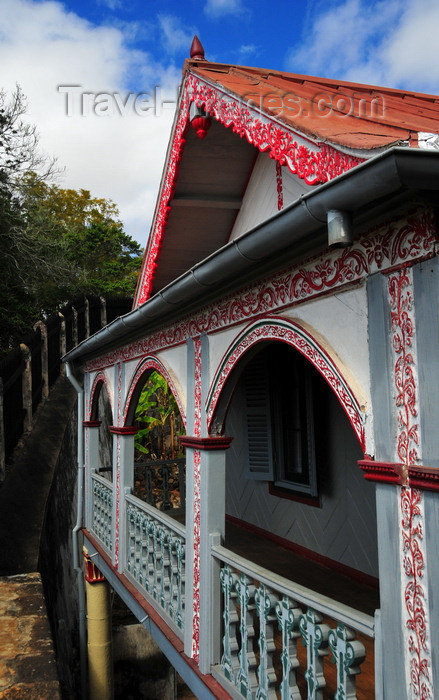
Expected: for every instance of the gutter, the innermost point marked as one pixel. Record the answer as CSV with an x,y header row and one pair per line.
x,y
75,533
370,189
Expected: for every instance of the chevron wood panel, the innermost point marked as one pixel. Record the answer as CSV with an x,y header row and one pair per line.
x,y
343,528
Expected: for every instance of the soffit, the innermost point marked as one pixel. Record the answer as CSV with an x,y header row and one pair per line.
x,y
212,176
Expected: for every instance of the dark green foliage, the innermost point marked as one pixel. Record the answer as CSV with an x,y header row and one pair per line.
x,y
55,244
157,410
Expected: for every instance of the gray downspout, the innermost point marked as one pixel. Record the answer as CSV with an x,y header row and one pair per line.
x,y
75,534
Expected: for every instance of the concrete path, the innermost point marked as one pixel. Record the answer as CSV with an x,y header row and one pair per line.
x,y
27,657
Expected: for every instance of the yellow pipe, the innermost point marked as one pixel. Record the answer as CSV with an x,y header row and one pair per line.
x,y
99,642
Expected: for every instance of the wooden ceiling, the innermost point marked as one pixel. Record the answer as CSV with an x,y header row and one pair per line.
x,y
211,181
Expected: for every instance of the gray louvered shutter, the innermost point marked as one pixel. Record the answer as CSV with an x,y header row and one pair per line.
x,y
259,435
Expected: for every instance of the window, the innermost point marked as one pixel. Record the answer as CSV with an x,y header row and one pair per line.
x,y
279,389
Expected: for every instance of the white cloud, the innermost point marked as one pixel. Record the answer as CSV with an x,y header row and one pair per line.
x,y
42,46
174,36
390,42
218,8
412,53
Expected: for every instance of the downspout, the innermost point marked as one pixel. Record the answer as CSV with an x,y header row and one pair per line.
x,y
75,534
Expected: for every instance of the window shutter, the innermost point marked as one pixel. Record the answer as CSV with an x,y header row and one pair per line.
x,y
259,438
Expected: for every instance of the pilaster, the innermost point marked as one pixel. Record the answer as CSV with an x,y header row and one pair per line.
x,y
403,335
210,452
123,475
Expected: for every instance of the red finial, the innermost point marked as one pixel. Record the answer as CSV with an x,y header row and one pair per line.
x,y
197,51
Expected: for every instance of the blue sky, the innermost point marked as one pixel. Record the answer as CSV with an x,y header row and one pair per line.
x,y
125,48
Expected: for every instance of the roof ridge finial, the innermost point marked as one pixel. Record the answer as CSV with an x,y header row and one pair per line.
x,y
197,50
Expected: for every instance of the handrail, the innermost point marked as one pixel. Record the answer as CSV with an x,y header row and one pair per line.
x,y
349,616
156,514
155,558
263,611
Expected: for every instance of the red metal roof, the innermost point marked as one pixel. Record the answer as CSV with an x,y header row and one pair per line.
x,y
346,114
318,128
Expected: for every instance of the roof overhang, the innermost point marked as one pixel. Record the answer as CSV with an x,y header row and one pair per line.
x,y
204,180
379,186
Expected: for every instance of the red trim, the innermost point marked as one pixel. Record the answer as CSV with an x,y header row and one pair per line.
x,y
91,423
423,478
158,621
206,443
414,476
348,571
383,472
123,430
92,573
274,490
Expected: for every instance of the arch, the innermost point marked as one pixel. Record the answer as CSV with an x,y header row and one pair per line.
x,y
293,334
99,381
148,364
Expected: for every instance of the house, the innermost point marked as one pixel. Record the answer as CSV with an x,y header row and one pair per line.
x,y
289,297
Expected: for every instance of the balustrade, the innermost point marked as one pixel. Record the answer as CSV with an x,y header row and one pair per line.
x,y
264,617
102,510
161,483
155,557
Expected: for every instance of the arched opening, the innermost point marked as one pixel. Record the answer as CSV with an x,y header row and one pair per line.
x,y
101,411
297,505
159,460
291,470
298,432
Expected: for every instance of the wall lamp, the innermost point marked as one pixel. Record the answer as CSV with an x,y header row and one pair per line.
x,y
200,121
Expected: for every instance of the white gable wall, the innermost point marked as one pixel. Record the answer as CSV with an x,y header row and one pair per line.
x,y
261,198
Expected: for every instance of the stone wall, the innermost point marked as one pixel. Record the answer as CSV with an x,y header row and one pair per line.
x,y
56,566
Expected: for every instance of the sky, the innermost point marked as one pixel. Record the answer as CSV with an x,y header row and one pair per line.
x,y
71,58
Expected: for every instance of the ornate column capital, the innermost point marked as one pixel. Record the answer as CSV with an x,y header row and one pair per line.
x,y
383,472
92,573
214,442
123,430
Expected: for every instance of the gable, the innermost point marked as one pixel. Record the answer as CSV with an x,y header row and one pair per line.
x,y
205,181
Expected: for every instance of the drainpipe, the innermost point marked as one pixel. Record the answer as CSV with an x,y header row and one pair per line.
x,y
75,534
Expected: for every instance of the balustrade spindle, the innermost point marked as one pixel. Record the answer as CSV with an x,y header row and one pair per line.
x,y
147,558
156,559
165,563
102,512
348,654
265,601
164,473
246,679
315,638
149,496
288,613
177,592
229,659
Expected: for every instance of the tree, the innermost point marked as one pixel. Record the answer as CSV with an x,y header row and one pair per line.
x,y
157,409
54,243
96,256
19,141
